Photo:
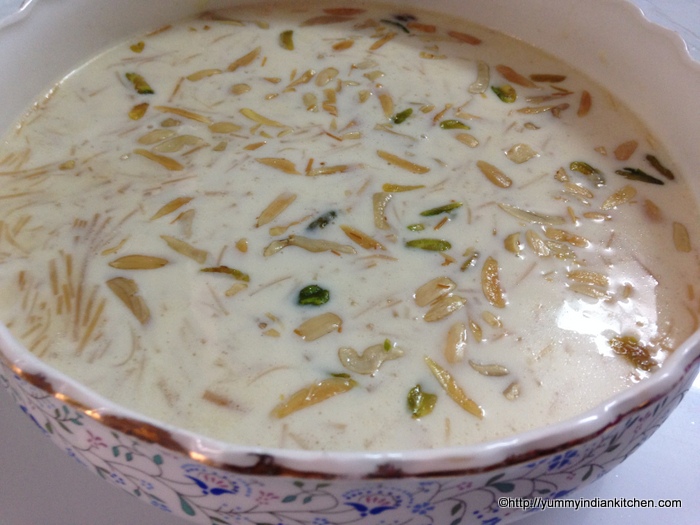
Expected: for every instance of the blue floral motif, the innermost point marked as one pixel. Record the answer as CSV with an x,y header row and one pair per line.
x,y
160,505
423,508
561,460
373,501
210,482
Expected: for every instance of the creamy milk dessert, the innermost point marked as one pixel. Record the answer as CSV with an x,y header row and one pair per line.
x,y
343,228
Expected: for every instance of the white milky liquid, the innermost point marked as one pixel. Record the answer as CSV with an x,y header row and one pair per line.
x,y
314,126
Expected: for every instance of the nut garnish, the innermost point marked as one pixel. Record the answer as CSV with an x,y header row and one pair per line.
x,y
491,284
138,262
186,249
128,292
318,326
493,174
371,359
456,343
313,394
450,386
443,307
434,290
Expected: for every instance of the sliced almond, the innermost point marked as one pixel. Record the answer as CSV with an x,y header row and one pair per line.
x,y
202,73
537,244
621,196
155,136
585,104
589,277
186,249
245,59
467,139
371,359
402,163
325,76
489,369
167,162
513,76
443,307
625,150
531,216
491,284
275,208
318,326
127,291
453,390
313,394
520,153
380,201
285,165
138,262
433,290
681,238
171,207
456,343
184,113
560,235
512,391
260,119
361,238
493,174
308,244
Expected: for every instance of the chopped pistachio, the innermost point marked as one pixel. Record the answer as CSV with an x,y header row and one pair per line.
x,y
420,403
432,245
506,93
441,209
589,171
313,295
660,167
638,175
401,116
453,124
236,274
287,39
323,221
140,85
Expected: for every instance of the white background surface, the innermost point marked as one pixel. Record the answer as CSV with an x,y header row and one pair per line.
x,y
40,485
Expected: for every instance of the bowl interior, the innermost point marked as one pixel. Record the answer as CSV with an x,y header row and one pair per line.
x,y
608,40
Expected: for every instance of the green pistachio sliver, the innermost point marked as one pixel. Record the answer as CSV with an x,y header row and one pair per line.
x,y
323,221
447,208
656,163
387,345
395,24
505,92
140,85
431,245
420,403
638,175
416,227
589,171
313,295
236,274
287,39
453,124
401,116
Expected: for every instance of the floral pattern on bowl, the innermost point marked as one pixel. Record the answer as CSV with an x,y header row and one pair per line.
x,y
205,493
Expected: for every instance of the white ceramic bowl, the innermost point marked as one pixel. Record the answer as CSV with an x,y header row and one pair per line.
x,y
212,482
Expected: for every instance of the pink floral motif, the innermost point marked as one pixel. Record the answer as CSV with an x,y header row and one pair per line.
x,y
95,441
265,498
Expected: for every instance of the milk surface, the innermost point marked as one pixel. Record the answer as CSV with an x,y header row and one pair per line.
x,y
154,245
